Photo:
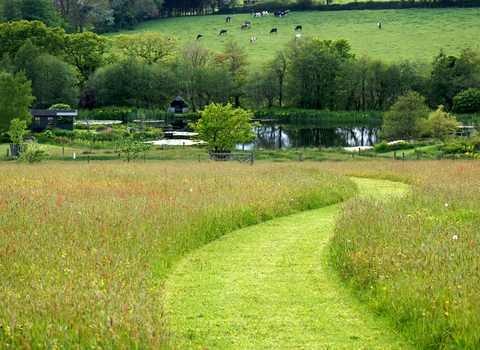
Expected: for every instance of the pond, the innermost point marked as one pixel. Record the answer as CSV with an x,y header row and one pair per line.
x,y
291,135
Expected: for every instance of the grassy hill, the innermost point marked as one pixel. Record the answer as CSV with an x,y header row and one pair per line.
x,y
413,34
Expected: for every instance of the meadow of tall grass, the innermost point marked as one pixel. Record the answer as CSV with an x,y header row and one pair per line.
x,y
84,249
416,259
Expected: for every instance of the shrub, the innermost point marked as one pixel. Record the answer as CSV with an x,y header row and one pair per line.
x,y
100,127
382,147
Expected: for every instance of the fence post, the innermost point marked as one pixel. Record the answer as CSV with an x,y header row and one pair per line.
x,y
375,152
7,152
320,147
88,159
199,158
353,155
144,156
30,160
394,154
418,155
63,150
453,156
359,149
300,157
252,157
184,145
403,156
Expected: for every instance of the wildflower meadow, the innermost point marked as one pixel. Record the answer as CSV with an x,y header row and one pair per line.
x,y
85,248
415,259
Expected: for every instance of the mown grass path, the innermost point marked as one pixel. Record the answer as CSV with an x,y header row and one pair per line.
x,y
270,287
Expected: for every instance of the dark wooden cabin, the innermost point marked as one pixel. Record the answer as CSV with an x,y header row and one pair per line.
x,y
178,105
43,118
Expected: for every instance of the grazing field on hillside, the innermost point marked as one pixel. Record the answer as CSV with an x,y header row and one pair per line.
x,y
413,34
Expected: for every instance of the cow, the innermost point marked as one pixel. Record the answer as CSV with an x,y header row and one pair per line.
x,y
286,12
253,40
252,11
234,14
258,14
298,28
199,36
274,30
228,19
167,39
298,36
277,13
379,25
264,13
223,31
247,23
245,26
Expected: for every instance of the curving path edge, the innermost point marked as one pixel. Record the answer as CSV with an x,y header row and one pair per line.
x,y
270,287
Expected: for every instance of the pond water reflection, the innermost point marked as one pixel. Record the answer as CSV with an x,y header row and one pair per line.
x,y
285,136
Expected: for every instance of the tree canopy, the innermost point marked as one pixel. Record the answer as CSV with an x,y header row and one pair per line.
x,y
15,99
406,119
221,127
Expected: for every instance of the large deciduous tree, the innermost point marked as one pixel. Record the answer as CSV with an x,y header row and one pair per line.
x,y
86,51
15,99
234,59
406,119
442,124
130,82
81,14
451,75
221,127
13,36
313,71
150,46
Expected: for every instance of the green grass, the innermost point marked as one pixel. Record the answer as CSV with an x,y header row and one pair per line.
x,y
415,260
413,34
84,248
271,287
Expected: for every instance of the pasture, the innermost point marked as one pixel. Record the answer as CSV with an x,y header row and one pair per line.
x,y
410,34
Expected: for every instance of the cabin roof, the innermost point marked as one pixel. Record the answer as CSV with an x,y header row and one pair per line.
x,y
177,98
52,112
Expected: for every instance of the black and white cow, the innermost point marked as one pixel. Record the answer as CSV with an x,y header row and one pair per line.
x,y
199,36
274,30
298,28
253,40
379,25
228,19
223,31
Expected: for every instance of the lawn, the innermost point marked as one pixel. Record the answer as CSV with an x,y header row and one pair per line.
x,y
410,34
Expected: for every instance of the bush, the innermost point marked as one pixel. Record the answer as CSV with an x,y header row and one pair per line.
x,y
65,133
100,127
382,147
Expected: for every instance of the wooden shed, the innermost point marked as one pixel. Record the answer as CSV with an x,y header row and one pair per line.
x,y
178,105
55,118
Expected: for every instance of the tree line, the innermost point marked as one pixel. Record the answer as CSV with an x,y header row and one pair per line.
x,y
146,70
102,15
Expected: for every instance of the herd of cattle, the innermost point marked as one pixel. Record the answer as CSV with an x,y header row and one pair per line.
x,y
246,25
